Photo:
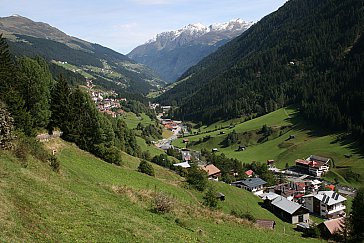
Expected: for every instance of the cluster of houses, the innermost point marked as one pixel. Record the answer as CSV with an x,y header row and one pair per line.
x,y
294,200
314,165
171,124
165,109
110,106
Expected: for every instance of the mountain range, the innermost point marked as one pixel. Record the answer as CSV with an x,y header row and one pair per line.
x,y
307,53
108,68
171,53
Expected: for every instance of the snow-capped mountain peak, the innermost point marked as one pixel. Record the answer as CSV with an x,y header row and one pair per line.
x,y
193,31
171,53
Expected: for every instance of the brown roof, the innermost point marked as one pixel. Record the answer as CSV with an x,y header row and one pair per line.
x,y
334,225
211,169
268,224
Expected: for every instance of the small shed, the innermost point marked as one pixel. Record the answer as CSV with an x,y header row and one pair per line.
x,y
241,148
220,196
270,162
265,223
185,140
214,150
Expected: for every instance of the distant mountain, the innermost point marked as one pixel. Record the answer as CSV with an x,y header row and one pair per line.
x,y
171,53
307,53
108,68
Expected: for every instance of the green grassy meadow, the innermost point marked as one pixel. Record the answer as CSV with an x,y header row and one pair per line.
x,y
93,201
132,120
308,140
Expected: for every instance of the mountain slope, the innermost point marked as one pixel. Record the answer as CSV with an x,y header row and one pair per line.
x,y
308,53
90,200
171,53
107,67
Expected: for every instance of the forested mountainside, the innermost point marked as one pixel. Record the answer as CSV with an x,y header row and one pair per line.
x,y
308,53
171,53
108,68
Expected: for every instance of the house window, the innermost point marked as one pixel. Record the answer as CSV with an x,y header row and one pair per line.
x,y
300,218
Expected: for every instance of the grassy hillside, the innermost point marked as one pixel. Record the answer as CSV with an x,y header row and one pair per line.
x,y
308,140
90,200
132,120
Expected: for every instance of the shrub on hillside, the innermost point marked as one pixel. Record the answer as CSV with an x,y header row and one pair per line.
x,y
209,199
110,154
29,146
246,215
146,168
6,128
197,178
162,203
54,163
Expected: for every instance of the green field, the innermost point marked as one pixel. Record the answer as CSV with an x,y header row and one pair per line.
x,y
92,201
132,120
74,69
308,140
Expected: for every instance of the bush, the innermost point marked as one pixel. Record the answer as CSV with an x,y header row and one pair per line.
x,y
146,168
197,178
242,215
162,203
110,154
313,232
54,163
29,146
210,199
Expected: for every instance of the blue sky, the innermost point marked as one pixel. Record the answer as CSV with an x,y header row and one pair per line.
x,y
125,24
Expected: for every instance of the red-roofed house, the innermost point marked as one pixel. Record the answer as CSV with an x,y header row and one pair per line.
x,y
331,187
329,227
212,171
249,173
314,165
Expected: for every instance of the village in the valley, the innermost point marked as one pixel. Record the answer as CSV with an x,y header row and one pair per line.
x,y
303,194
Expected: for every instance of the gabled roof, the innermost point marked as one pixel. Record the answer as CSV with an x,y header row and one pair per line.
x,y
331,197
252,182
249,172
286,205
211,169
318,158
264,223
183,165
269,195
334,225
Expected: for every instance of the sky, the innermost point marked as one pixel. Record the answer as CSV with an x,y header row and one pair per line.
x,y
124,24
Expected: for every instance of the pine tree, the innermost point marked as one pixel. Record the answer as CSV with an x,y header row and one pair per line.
x,y
356,219
60,105
9,93
34,85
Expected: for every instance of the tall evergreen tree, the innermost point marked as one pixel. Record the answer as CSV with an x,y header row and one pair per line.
x,y
34,85
8,91
357,219
60,105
